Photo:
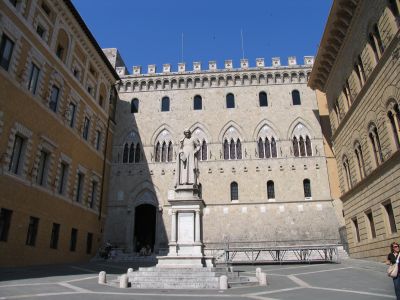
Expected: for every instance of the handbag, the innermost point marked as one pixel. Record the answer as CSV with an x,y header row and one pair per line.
x,y
393,270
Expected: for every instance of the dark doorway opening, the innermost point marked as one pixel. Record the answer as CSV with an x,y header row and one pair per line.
x,y
145,227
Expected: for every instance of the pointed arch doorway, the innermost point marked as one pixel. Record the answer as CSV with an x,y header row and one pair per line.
x,y
145,227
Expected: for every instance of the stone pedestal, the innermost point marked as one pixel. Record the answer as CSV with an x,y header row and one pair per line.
x,y
185,247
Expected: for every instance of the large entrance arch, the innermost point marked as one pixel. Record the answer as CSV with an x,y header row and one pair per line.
x,y
145,226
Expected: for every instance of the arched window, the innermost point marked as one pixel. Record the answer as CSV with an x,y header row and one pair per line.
x,y
234,191
164,152
376,145
394,118
273,148
296,97
157,152
125,154
308,146
260,148
267,148
131,153
346,170
238,149
378,39
262,97
295,147
204,150
170,151
336,108
232,150
137,153
371,42
165,104
230,101
197,103
270,190
134,106
360,160
307,188
226,149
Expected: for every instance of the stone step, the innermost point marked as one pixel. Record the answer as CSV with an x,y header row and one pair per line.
x,y
171,274
176,285
175,270
172,279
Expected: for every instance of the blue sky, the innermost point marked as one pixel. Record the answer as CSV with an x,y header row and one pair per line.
x,y
149,32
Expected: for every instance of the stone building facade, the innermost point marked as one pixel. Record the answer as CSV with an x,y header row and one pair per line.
x,y
358,68
263,167
57,101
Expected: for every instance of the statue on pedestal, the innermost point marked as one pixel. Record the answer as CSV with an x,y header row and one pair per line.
x,y
187,162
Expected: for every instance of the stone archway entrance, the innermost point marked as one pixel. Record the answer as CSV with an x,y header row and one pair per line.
x,y
145,226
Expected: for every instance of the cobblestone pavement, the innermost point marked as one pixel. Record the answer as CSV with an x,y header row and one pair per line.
x,y
352,279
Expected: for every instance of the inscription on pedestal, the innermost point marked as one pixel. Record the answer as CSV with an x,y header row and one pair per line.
x,y
186,227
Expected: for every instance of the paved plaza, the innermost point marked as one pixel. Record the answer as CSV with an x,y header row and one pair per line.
x,y
352,279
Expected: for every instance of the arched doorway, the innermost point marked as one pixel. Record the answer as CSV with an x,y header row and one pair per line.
x,y
145,226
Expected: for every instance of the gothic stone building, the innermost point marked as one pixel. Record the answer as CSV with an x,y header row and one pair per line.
x,y
263,170
358,68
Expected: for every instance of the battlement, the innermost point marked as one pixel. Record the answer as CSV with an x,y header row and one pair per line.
x,y
212,66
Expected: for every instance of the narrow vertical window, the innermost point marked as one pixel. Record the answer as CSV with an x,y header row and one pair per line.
x,y
232,154
378,39
260,148
73,240
55,92
17,155
131,153
370,220
307,188
6,50
33,78
295,147
204,150
371,41
360,160
356,230
32,231
238,149
389,216
97,141
394,123
5,222
125,154
226,149
79,187
134,106
270,190
234,191
42,168
86,126
348,94
262,98
137,153
93,194
63,178
40,31
164,152
347,175
267,148
157,156
55,232
197,103
170,151
308,146
296,97
302,147
71,114
230,101
165,104
89,243
273,148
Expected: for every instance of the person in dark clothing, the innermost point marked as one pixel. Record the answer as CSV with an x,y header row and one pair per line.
x,y
393,258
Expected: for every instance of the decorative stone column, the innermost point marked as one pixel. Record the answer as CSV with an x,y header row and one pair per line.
x,y
197,226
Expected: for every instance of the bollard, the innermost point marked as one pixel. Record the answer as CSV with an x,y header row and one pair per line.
x,y
123,281
223,282
262,279
258,271
130,270
102,277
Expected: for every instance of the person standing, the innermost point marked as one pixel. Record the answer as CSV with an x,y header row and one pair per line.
x,y
393,258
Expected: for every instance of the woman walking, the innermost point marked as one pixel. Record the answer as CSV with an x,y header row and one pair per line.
x,y
393,258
